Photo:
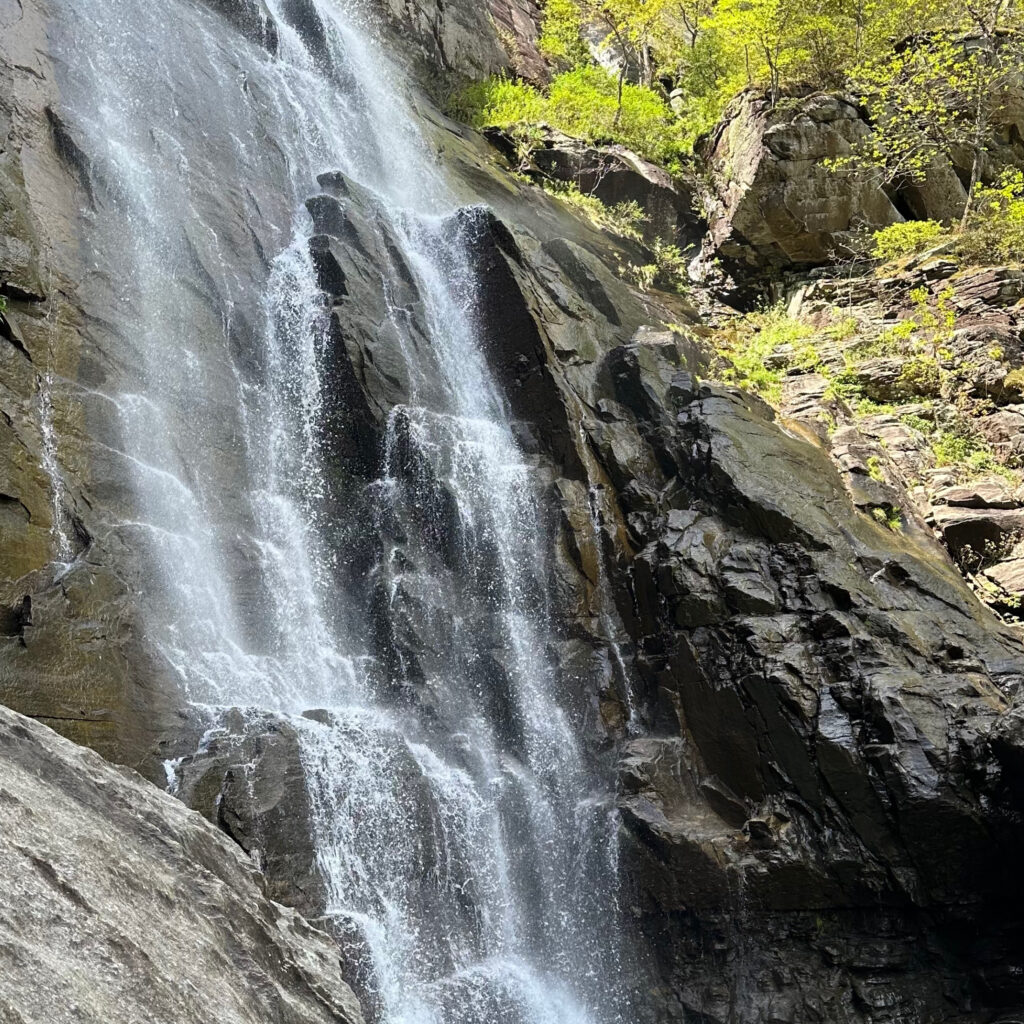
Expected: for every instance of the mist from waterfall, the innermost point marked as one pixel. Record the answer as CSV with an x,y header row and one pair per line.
x,y
468,853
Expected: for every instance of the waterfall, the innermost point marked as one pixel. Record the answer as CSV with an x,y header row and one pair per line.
x,y
466,844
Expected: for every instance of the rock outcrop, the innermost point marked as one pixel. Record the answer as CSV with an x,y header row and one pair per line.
x,y
616,175
924,422
774,203
473,40
121,904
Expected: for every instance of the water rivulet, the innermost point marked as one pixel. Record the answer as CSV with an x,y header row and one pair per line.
x,y
466,846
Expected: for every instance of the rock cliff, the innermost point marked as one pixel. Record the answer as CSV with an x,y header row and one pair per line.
x,y
812,723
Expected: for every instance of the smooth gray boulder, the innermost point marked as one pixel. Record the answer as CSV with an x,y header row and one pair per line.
x,y
120,904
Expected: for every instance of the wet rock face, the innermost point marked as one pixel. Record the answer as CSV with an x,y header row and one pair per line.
x,y
818,760
243,773
165,915
70,652
820,701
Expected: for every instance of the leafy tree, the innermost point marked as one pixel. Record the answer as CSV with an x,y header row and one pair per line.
x,y
561,35
940,94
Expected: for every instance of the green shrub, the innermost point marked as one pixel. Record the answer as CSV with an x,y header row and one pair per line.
x,y
751,340
498,103
1014,379
919,376
582,102
995,228
892,518
918,423
905,238
953,447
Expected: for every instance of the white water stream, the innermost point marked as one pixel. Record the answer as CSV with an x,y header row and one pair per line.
x,y
469,854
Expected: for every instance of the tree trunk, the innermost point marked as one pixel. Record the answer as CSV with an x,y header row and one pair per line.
x,y
975,174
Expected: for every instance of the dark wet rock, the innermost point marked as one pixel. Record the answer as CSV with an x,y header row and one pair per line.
x,y
816,719
814,815
121,904
245,776
251,18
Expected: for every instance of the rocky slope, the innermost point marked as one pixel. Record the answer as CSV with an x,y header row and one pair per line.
x,y
914,386
814,722
121,904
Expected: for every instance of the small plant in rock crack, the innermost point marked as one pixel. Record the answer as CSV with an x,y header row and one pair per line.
x,y
891,518
971,560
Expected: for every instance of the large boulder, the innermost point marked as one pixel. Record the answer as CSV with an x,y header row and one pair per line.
x,y
121,904
774,203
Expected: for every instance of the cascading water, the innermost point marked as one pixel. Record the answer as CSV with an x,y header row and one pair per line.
x,y
467,848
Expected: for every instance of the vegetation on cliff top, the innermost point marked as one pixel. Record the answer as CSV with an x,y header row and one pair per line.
x,y
656,74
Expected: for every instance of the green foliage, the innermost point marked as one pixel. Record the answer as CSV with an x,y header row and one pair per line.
x,y
844,329
939,92
888,517
919,376
584,102
918,423
905,239
623,219
667,271
498,102
1014,379
995,225
875,469
931,74
3,304
894,340
952,447
750,342
561,33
